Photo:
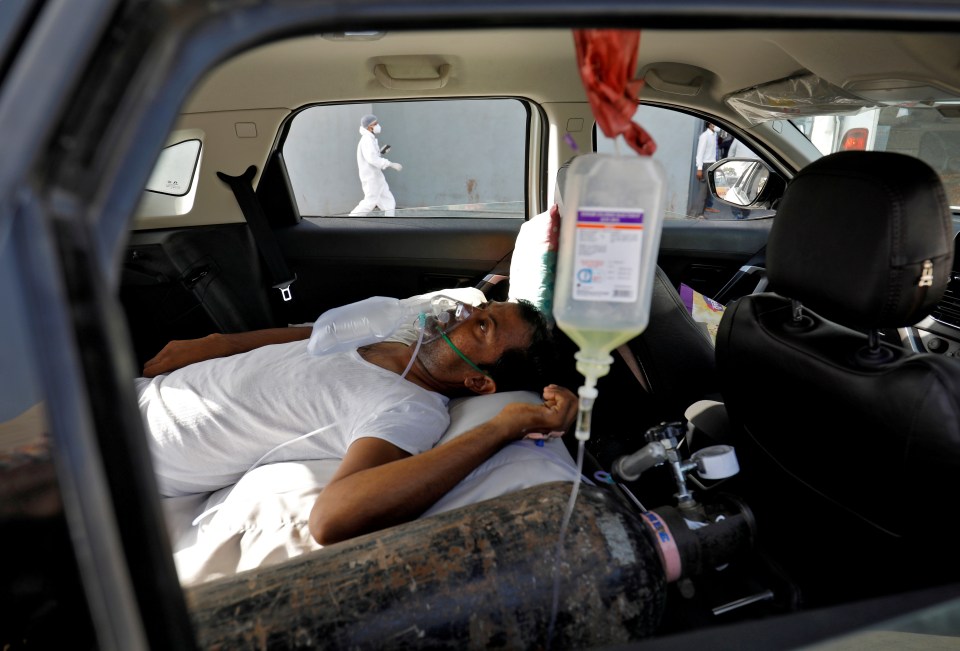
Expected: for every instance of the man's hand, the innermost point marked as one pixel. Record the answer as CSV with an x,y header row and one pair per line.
x,y
550,419
396,166
699,174
179,353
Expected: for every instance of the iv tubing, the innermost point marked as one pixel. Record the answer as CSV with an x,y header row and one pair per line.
x,y
413,358
588,394
563,533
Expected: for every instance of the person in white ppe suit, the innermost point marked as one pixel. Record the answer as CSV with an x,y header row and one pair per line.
x,y
370,163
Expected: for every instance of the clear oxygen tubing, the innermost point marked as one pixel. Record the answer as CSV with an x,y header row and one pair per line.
x,y
259,461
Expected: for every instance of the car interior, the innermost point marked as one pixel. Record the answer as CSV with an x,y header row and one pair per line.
x,y
804,323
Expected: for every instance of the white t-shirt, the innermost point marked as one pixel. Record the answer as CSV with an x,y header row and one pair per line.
x,y
209,422
706,148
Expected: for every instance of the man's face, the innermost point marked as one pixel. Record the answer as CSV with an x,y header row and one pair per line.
x,y
483,338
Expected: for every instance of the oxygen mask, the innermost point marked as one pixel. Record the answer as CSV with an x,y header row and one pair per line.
x,y
443,317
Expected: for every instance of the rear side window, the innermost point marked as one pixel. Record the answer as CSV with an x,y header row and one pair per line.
x,y
459,158
172,187
175,169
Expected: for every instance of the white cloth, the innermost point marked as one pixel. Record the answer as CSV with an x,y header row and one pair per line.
x,y
210,422
263,519
370,165
707,148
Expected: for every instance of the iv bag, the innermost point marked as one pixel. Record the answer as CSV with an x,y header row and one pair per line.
x,y
609,239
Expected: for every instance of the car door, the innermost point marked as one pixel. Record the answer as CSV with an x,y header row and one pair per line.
x,y
82,564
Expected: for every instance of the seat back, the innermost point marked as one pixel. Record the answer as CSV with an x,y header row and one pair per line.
x,y
849,446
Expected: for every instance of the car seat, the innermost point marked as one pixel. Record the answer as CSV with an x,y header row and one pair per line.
x,y
849,445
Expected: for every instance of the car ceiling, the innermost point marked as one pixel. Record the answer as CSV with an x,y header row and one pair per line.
x,y
689,68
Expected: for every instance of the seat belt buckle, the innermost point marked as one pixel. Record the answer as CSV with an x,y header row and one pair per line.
x,y
284,288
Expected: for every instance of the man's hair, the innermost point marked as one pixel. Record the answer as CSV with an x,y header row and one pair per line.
x,y
528,367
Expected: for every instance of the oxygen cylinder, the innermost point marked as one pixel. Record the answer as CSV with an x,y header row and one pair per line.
x,y
473,578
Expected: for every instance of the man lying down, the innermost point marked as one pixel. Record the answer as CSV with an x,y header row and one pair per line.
x,y
215,407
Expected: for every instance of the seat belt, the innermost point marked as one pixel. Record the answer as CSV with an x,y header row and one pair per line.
x,y
499,273
631,361
242,186
756,265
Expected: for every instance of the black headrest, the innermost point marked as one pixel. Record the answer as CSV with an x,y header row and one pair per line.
x,y
855,232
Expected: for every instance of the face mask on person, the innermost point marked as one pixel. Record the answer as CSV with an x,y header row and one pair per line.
x,y
376,128
444,321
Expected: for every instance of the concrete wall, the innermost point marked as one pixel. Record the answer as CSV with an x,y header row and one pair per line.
x,y
676,137
320,153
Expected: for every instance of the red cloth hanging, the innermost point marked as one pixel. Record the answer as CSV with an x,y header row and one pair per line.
x,y
607,59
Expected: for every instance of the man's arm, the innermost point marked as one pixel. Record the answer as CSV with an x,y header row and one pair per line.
x,y
180,353
378,485
371,153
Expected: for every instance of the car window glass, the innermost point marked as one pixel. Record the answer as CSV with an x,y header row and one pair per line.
x,y
173,174
677,135
458,158
172,188
931,133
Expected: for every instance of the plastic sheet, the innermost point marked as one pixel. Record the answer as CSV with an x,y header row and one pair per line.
x,y
796,97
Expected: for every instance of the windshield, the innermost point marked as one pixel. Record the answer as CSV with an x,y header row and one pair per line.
x,y
931,133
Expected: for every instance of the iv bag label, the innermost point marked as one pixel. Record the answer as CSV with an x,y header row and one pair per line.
x,y
607,256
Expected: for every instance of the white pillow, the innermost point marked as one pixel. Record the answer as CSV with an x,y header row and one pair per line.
x,y
534,261
262,519
520,465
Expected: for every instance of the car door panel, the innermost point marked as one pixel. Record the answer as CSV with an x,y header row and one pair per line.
x,y
339,261
189,282
705,254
